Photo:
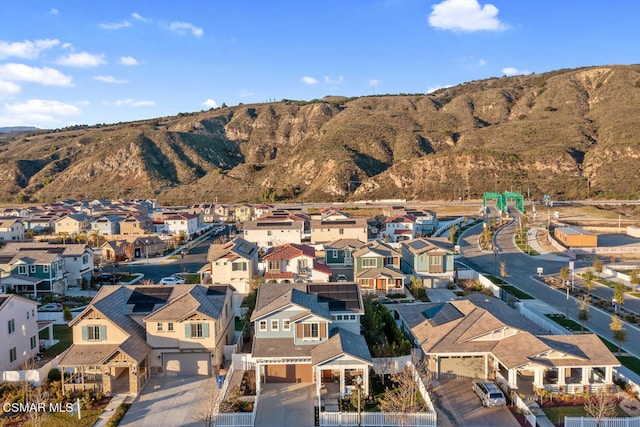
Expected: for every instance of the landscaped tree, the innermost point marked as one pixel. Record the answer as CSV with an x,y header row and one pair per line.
x,y
129,250
66,314
634,279
583,311
564,275
597,266
587,280
503,269
381,332
404,398
452,234
417,288
618,294
601,406
619,333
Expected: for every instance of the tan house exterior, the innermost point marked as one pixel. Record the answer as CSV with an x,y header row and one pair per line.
x,y
128,333
136,225
496,342
243,213
72,224
325,231
234,263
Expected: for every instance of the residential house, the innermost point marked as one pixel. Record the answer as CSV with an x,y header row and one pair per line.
x,y
34,271
294,263
107,225
182,224
234,262
377,269
426,222
78,259
136,225
242,213
72,224
324,231
40,222
496,342
397,228
340,252
207,210
132,248
428,256
11,229
266,233
310,333
222,212
262,210
18,331
129,332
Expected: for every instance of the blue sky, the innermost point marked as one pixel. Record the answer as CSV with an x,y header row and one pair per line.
x,y
70,62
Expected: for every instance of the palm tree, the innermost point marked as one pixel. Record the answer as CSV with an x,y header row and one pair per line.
x,y
94,237
564,275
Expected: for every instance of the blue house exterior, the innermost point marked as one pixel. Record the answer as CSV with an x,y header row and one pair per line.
x,y
427,256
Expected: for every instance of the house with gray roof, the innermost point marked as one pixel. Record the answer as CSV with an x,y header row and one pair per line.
x,y
482,337
310,332
130,332
428,257
234,262
377,269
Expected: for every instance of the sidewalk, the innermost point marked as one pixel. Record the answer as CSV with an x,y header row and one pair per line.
x,y
532,238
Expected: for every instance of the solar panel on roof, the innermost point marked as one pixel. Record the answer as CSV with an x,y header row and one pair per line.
x,y
442,313
339,297
216,290
150,295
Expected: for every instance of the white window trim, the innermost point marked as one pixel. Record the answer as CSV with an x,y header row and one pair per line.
x,y
262,325
275,322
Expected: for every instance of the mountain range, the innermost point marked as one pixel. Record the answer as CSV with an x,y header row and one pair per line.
x,y
570,134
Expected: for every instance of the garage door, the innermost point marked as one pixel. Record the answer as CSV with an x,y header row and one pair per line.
x,y
186,363
462,367
289,373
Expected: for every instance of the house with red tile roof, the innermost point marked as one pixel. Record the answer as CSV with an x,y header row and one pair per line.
x,y
294,263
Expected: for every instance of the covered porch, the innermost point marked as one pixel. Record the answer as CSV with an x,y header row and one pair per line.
x,y
86,367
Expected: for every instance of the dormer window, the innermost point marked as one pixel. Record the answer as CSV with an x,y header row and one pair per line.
x,y
310,330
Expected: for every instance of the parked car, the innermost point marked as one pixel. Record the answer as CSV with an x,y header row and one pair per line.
x,y
489,393
341,277
173,280
50,307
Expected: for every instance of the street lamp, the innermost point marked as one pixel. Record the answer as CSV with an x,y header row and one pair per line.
x,y
358,386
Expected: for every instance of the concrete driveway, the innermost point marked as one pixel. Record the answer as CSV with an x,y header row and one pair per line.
x,y
286,405
172,401
465,406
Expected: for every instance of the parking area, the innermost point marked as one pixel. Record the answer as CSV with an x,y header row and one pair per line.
x,y
172,401
286,405
463,403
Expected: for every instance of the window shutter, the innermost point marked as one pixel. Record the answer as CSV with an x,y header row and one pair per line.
x,y
299,330
103,333
205,330
187,330
85,333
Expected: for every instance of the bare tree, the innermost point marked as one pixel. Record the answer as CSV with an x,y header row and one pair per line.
x,y
129,250
601,406
403,399
503,269
583,311
147,282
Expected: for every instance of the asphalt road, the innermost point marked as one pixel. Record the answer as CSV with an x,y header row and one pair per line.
x,y
189,263
522,274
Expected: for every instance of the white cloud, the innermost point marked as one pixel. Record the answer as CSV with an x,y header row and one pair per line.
x,y
8,89
374,82
437,87
210,103
465,15
39,110
309,80
511,71
128,60
245,93
82,59
183,28
54,11
109,79
133,103
139,17
115,25
24,73
27,49
66,46
482,62
330,81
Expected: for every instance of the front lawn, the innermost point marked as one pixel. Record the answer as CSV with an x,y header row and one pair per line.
x,y
556,414
62,333
568,324
516,292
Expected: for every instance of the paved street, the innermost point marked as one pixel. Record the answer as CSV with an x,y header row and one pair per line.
x,y
522,271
